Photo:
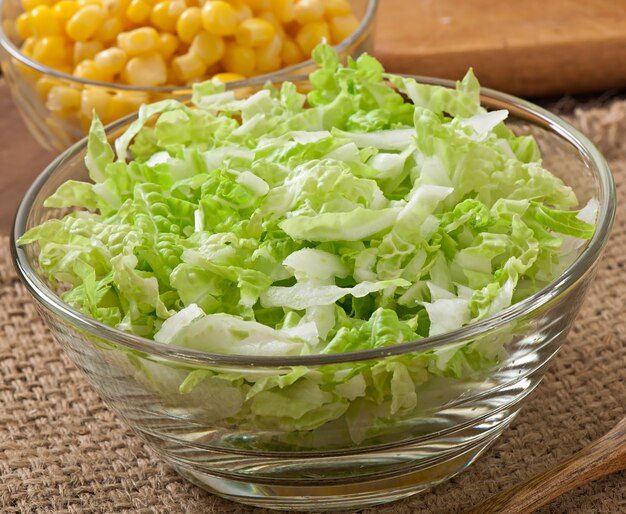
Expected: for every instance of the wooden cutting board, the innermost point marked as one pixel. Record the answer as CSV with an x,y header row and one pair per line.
x,y
524,47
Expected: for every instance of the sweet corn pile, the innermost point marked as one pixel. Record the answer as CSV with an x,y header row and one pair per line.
x,y
153,43
168,42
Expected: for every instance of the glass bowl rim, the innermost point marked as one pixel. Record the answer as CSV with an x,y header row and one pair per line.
x,y
523,109
5,42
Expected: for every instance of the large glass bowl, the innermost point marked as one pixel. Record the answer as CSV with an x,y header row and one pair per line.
x,y
328,467
56,126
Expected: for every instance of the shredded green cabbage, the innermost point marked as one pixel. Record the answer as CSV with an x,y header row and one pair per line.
x,y
287,224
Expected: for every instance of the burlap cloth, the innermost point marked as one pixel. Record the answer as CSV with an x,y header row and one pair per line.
x,y
62,450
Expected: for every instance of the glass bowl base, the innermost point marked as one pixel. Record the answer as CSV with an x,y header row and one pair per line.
x,y
361,493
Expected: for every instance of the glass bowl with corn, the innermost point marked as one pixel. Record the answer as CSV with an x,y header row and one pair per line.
x,y
66,59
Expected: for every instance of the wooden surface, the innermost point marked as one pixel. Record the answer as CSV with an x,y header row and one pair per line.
x,y
534,47
21,159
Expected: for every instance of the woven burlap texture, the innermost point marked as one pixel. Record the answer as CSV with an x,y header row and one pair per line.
x,y
62,450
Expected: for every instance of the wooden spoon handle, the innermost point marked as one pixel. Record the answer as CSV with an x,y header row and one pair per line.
x,y
605,456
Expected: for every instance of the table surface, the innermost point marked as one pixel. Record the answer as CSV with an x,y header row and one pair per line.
x,y
21,159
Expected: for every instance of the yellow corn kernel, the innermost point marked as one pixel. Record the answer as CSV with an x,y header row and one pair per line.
x,y
268,57
311,34
64,10
116,8
28,46
63,97
284,10
255,32
271,17
95,99
139,41
208,47
342,26
169,43
111,61
260,5
187,67
87,69
291,53
64,68
166,13
31,4
51,50
109,30
219,18
85,22
336,8
86,50
159,16
22,26
82,3
189,24
146,70
138,11
45,84
307,11
124,103
228,77
43,22
239,59
177,7
244,11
